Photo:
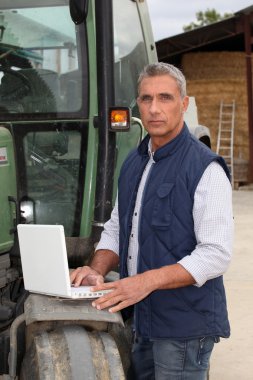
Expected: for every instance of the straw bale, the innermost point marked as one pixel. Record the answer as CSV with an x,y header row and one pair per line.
x,y
214,65
211,78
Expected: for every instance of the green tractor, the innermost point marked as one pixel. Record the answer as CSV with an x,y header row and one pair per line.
x,y
68,72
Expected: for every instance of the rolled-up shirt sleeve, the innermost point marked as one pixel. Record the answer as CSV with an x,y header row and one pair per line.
x,y
110,235
213,226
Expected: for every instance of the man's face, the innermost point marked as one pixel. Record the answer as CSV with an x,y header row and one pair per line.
x,y
161,108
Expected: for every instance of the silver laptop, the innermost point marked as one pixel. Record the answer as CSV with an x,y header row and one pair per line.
x,y
44,262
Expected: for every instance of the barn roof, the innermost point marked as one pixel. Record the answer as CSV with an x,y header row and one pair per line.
x,y
228,34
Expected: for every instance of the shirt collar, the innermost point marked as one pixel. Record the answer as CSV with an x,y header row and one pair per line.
x,y
150,153
168,149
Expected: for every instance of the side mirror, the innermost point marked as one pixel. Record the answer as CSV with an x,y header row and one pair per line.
x,y
119,119
27,210
78,10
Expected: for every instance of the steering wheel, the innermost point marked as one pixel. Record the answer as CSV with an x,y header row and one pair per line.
x,y
14,91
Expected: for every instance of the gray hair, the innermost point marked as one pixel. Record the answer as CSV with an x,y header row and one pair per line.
x,y
161,68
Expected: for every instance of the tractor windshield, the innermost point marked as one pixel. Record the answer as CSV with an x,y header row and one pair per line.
x,y
41,75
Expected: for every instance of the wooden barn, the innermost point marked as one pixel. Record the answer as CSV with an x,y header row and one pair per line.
x,y
217,62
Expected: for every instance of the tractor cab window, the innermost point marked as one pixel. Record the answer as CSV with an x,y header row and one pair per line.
x,y
41,73
130,53
50,180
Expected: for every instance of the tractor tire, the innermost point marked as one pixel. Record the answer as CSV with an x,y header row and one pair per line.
x,y
72,353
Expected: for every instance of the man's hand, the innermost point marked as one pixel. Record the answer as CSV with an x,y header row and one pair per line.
x,y
130,290
103,261
85,276
125,292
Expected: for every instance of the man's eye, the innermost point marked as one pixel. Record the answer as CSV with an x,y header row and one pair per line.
x,y
146,99
164,97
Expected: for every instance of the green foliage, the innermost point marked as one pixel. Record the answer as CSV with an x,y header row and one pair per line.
x,y
206,18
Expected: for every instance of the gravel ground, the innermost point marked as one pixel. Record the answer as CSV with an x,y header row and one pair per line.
x,y
232,358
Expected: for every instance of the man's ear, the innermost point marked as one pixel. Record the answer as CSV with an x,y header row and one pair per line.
x,y
185,103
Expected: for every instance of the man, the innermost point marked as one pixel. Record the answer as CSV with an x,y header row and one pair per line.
x,y
171,235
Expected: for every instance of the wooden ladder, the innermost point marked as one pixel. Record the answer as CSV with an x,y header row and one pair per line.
x,y
225,141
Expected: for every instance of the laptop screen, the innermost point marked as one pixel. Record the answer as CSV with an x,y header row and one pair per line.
x,y
44,259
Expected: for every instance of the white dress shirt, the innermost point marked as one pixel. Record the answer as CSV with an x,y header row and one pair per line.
x,y
213,226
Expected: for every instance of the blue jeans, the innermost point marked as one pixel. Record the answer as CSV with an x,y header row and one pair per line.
x,y
171,359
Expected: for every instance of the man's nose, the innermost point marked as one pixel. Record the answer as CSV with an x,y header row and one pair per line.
x,y
154,106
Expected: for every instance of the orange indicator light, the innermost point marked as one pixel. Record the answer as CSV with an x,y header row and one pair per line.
x,y
119,118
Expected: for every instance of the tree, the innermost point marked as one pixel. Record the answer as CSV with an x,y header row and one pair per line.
x,y
206,18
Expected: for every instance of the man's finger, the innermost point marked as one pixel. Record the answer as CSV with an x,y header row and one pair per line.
x,y
106,301
93,279
120,306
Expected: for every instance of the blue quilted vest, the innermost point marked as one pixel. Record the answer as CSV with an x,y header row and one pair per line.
x,y
166,235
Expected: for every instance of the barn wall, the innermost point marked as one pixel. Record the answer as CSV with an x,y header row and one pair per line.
x,y
215,76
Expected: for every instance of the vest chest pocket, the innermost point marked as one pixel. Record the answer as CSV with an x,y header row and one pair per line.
x,y
162,210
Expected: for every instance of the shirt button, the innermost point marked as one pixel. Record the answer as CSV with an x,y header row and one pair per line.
x,y
135,213
132,235
130,257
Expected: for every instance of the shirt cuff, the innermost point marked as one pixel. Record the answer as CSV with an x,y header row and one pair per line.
x,y
188,264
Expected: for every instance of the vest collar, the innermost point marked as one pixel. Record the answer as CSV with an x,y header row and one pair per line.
x,y
167,149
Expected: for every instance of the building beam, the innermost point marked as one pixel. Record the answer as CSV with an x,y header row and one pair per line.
x,y
247,44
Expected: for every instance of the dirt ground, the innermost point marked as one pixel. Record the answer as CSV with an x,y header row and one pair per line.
x,y
233,358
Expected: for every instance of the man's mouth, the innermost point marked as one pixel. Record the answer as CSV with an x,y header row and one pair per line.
x,y
155,122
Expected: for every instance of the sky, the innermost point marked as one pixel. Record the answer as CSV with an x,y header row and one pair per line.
x,y
168,17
